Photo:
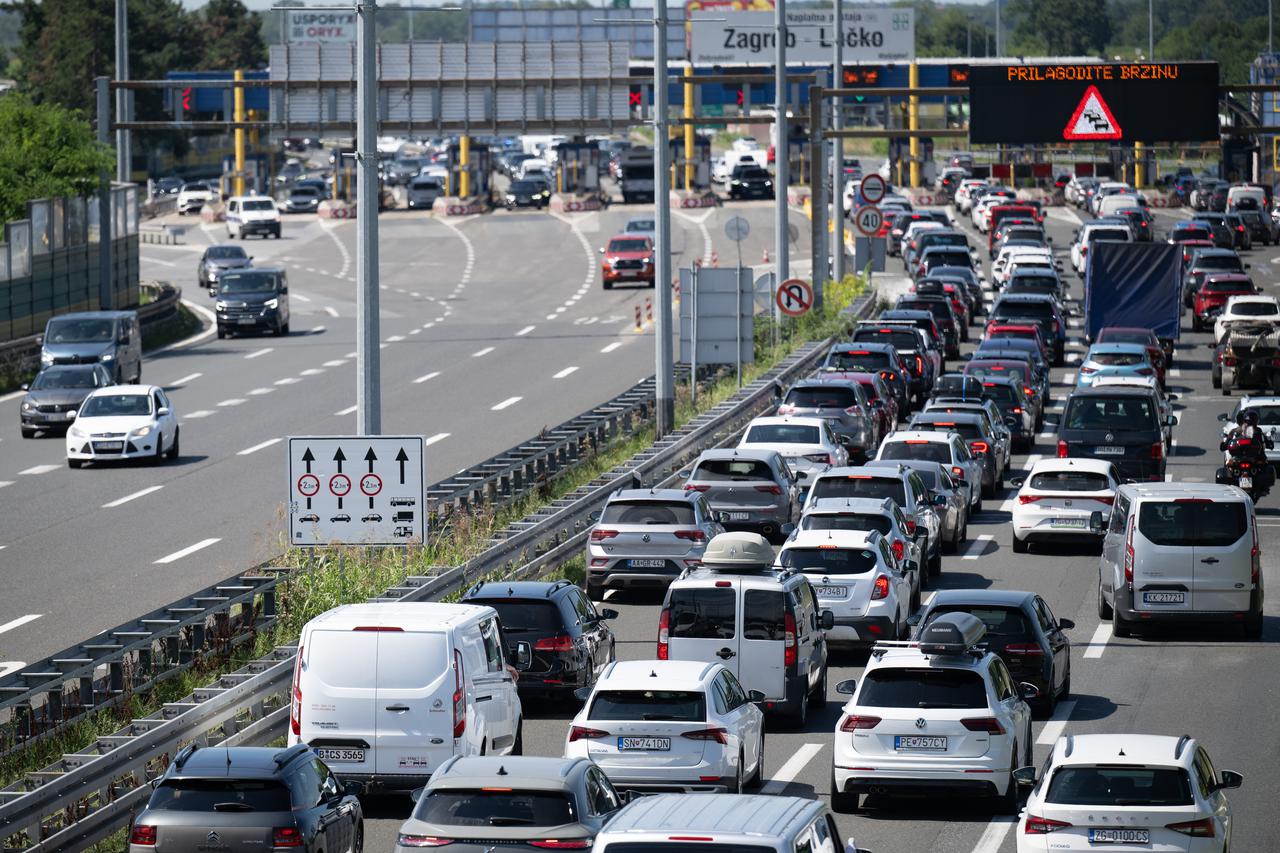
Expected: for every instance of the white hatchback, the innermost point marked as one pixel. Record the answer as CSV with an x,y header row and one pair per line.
x,y
1055,500
670,724
123,422
808,444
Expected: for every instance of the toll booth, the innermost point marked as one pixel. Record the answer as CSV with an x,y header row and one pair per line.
x,y
701,161
798,155
578,166
1238,157
479,166
256,175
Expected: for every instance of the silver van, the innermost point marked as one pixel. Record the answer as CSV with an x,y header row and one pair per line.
x,y
1180,552
722,823
110,338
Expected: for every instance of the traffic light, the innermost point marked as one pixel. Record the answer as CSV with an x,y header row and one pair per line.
x,y
860,76
740,99
957,75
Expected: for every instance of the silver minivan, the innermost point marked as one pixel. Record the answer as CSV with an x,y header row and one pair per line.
x,y
110,338
1180,552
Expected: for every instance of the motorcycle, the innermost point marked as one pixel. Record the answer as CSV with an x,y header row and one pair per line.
x,y
1245,469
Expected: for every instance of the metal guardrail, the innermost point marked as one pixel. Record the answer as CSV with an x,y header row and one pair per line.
x,y
85,797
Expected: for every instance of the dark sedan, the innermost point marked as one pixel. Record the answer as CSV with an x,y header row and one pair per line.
x,y
215,261
1118,425
55,395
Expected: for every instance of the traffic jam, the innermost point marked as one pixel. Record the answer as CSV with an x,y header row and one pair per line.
x,y
838,582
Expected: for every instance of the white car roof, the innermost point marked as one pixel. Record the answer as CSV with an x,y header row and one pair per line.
x,y
1237,300
667,674
111,390
1112,380
911,656
798,420
1092,466
836,506
931,435
848,539
430,616
1143,749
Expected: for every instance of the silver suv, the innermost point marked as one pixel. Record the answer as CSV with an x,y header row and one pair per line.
x,y
753,490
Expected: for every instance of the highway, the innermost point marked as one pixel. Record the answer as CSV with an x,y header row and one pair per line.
x,y
493,327
1210,684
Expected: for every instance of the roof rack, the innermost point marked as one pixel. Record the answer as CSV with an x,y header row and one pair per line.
x,y
185,753
1182,744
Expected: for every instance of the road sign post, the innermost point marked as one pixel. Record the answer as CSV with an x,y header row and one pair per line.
x,y
349,490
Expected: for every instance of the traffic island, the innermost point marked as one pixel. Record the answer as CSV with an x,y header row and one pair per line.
x,y
216,212
452,205
336,209
693,199
576,202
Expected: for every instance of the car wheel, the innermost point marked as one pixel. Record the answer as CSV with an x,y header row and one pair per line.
x,y
222,333
517,748
608,285
284,330
1104,607
1065,693
74,463
159,455
842,802
1020,546
819,697
1008,804
935,562
27,432
357,845
800,717
977,507
757,778
1196,325
1253,626
174,449
736,787
1215,377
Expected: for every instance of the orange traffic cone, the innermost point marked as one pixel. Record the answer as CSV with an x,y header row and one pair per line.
x,y
715,258
766,256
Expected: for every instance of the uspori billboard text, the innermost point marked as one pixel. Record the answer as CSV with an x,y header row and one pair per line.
x,y
322,27
869,35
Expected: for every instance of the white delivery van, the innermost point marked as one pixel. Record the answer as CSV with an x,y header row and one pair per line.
x,y
1257,198
384,693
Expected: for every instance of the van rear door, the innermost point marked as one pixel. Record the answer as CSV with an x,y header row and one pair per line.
x,y
702,622
1222,558
337,686
413,705
1163,557
761,654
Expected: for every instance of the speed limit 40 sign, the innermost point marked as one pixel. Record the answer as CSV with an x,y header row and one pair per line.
x,y
868,220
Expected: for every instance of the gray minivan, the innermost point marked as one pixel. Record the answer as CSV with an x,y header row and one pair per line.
x,y
112,338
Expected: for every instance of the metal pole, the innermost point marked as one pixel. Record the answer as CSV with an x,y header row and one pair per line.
x,y
1270,49
663,356
913,123
817,205
688,130
368,368
999,46
693,334
105,289
781,151
837,150
1151,30
124,156
737,322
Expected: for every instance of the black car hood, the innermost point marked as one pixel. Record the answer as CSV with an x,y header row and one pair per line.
x,y
241,300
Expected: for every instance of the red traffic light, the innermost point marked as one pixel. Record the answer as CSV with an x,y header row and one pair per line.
x,y
958,75
186,98
740,99
635,98
861,76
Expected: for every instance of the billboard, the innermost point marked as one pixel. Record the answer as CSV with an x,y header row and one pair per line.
x,y
321,27
1094,102
870,35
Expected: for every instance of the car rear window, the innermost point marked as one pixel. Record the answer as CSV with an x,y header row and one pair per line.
x,y
1007,623
858,521
1108,234
1227,287
1038,283
967,430
519,617
1254,309
472,807
1018,372
1218,262
863,361
784,434
947,258
860,486
956,386
1119,786
833,397
899,339
830,561
1116,414
762,615
732,469
207,795
687,706
925,451
1117,359
923,688
702,613
648,512
1267,415
1193,522
1180,234
999,392
1070,481
1023,308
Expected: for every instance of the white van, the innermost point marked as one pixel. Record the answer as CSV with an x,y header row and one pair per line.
x,y
252,214
1257,195
384,693
1109,205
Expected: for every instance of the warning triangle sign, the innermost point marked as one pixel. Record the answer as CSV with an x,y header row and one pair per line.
x,y
1092,119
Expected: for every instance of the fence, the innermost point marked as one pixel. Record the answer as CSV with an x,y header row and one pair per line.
x,y
49,262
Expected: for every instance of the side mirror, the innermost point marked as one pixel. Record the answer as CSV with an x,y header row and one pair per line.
x,y
1095,523
787,529
595,516
1066,624
162,411
416,794
1017,482
914,619
755,696
284,288
352,788
1028,691
684,475
124,338
73,414
602,250
1170,421
608,613
24,387
1025,777
802,475
939,500
524,656
827,620
910,566
1228,779
847,687
722,517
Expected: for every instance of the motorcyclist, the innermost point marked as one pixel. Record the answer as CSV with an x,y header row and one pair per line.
x,y
1254,450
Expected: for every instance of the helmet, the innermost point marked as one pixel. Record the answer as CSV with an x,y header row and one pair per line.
x,y
1250,417
1240,417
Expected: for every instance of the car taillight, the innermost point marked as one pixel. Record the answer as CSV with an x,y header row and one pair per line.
x,y
600,534
919,366
990,725
562,844
406,840
1229,361
459,694
1026,389
295,702
584,733
1157,450
821,458
853,723
1255,554
664,636
911,527
773,490
957,471
286,836
789,640
1240,228
899,549
1017,410
1087,370
1063,450
1025,649
880,589
694,535
979,447
1037,825
143,834
558,643
1128,555
720,736
693,488
1144,371
1202,828
1029,499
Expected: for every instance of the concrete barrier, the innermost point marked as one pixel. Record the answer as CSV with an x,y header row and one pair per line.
x,y
455,206
336,209
216,212
1160,198
575,203
163,235
693,199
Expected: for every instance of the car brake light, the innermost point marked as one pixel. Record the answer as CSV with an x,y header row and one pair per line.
x,y
957,471
693,488
1025,649
664,628
563,844
855,722
773,490
789,639
1202,828
880,589
143,834
1128,555
1037,825
558,643
585,733
820,458
990,725
422,841
286,836
295,705
979,447
718,735
459,694
600,534
1063,450
1026,389
1017,410
1087,370
694,535
1255,554
1030,499
899,549
1157,450
911,527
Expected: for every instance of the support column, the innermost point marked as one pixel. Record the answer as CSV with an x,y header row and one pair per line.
x,y
664,356
238,181
688,130
368,355
464,166
105,288
782,159
913,122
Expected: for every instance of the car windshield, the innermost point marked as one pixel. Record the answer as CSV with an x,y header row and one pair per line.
x,y
71,376
248,282
1192,522
732,470
648,512
1119,786
860,486
926,451
474,807
1117,359
1267,415
784,434
821,397
829,561
754,173
425,184
226,253
1003,622
865,361
116,405
520,616
524,186
207,795
1070,481
1115,414
922,688
198,188
259,204
858,521
628,245
1254,309
684,706
79,331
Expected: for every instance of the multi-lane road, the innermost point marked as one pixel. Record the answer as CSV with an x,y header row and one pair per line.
x,y
1209,684
493,327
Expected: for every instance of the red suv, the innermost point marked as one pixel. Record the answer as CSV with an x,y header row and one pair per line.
x,y
1212,295
628,257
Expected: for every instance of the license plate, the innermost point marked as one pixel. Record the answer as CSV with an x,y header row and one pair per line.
x,y
245,321
653,743
739,516
1109,451
334,754
920,743
832,591
1080,523
108,445
1246,482
1119,836
647,564
1164,598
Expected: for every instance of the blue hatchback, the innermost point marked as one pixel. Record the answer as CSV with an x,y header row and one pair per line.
x,y
1114,360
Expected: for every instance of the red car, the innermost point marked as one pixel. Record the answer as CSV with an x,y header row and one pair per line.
x,y
1028,331
1156,350
1212,295
627,258
1009,211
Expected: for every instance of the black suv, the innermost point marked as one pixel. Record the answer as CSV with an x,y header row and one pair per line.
x,y
571,642
244,798
1117,425
750,182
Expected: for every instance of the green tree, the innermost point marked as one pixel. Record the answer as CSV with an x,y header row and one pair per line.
x,y
45,151
1063,27
232,35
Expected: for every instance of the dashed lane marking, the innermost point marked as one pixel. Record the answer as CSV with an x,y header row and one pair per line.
x,y
510,401
482,352
791,769
187,551
440,436
259,392
259,353
337,362
255,448
979,547
426,377
234,401
38,469
1098,642
133,497
196,415
562,374
190,377
611,347
1057,724
993,836
331,311
347,411
288,380
526,330
19,622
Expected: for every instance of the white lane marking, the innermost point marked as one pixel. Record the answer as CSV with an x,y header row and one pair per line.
x,y
432,375
13,395
196,415
234,401
527,329
415,331
258,447
4,483
298,296
338,362
395,339
510,401
258,392
191,377
1174,372
993,835
1098,643
174,263
190,549
562,374
349,409
426,326
440,436
484,351
19,622
342,250
288,380
9,667
316,371
39,469
133,497
333,312
978,547
611,347
789,771
351,354
315,330
260,352
1056,724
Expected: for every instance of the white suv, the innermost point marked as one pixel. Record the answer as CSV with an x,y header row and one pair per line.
x,y
666,724
947,448
855,576
940,714
866,514
1142,792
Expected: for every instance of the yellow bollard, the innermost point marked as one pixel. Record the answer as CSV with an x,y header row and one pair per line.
x,y
464,163
913,122
238,116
